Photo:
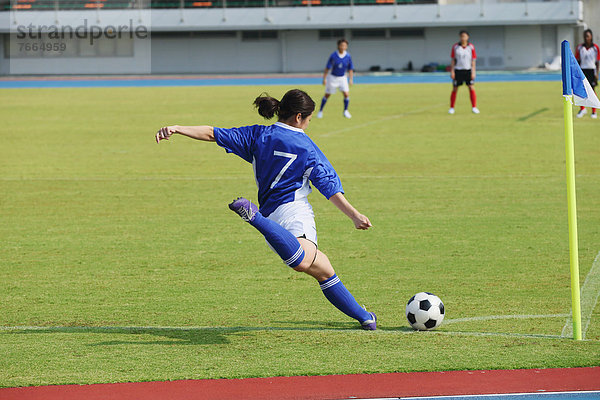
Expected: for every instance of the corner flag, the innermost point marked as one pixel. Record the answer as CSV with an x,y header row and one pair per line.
x,y
576,89
574,81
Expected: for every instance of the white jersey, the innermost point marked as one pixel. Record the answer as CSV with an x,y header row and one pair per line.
x,y
588,57
464,56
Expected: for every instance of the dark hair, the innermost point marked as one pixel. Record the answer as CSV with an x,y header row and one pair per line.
x,y
590,32
294,102
342,40
463,31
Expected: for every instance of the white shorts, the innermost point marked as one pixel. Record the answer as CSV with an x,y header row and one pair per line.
x,y
298,218
334,83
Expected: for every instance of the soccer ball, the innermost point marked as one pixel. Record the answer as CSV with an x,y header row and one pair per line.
x,y
425,311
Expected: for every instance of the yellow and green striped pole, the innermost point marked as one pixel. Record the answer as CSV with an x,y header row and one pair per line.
x,y
571,196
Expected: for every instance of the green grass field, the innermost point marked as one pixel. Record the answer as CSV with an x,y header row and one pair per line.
x,y
121,261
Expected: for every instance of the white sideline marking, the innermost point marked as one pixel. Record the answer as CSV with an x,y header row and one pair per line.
x,y
493,317
247,177
499,334
501,394
351,128
590,291
234,329
470,396
128,179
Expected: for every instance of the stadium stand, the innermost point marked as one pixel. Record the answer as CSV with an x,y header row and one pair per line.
x,y
41,5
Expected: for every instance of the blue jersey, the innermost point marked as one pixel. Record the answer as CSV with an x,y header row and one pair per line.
x,y
339,65
284,160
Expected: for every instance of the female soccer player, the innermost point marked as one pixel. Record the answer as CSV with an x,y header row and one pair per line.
x,y
462,70
588,55
335,78
285,159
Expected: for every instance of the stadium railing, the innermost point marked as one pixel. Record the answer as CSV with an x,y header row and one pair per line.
x,y
41,5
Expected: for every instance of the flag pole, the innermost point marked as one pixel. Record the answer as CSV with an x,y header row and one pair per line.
x,y
571,196
572,206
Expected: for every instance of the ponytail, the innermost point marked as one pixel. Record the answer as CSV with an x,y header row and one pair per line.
x,y
267,106
293,102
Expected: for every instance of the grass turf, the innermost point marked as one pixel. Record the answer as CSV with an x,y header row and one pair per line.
x,y
103,231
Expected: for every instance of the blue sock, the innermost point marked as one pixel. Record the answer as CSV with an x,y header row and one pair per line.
x,y
284,243
339,296
346,102
323,101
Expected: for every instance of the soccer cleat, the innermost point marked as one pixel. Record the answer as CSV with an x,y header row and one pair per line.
x,y
370,324
475,110
347,114
581,113
451,110
594,115
244,208
320,114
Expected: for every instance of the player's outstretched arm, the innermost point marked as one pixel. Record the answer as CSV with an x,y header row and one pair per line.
x,y
203,132
360,221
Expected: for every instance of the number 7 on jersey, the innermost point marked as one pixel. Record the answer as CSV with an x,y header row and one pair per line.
x,y
291,156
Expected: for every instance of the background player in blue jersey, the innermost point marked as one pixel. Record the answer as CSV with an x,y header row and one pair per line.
x,y
335,78
285,160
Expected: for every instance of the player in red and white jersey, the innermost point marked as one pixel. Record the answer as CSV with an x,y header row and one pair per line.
x,y
588,55
462,70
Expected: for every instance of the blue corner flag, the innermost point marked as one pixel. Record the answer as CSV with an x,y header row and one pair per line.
x,y
574,81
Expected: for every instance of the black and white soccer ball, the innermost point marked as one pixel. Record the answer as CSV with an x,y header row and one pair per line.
x,y
425,311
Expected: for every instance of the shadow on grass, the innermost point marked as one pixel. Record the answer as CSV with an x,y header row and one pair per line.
x,y
186,335
316,325
321,325
404,329
532,114
193,335
177,335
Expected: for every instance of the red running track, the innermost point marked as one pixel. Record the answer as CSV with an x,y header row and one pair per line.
x,y
328,387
